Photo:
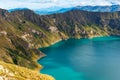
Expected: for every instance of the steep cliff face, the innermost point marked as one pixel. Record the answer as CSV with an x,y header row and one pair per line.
x,y
75,22
23,32
15,46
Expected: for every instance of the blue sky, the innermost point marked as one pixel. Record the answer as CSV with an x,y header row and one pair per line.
x,y
38,4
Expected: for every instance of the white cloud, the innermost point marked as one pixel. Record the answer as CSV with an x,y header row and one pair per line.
x,y
38,4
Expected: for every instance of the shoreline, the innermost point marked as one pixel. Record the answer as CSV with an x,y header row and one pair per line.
x,y
57,41
68,39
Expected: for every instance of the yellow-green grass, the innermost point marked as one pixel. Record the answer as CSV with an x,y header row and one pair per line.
x,y
13,72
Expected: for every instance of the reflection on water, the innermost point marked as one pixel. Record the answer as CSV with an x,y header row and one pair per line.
x,y
84,59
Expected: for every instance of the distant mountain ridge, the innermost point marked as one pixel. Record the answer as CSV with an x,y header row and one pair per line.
x,y
112,8
11,10
55,10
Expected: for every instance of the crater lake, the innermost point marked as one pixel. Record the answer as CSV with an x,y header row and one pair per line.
x,y
83,59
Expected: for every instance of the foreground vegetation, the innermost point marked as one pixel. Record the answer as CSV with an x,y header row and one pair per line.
x,y
12,72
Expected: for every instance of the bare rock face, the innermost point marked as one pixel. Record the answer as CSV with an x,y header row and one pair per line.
x,y
53,29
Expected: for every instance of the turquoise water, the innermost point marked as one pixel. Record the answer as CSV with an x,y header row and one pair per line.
x,y
83,59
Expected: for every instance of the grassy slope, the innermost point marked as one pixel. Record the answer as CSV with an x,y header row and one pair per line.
x,y
12,72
